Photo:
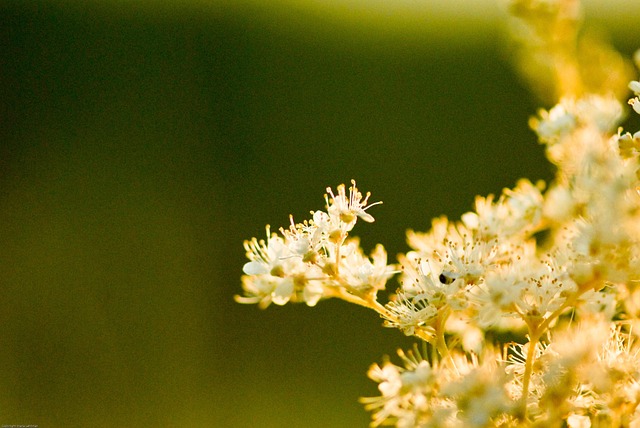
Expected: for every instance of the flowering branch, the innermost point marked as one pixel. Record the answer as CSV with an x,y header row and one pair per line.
x,y
570,300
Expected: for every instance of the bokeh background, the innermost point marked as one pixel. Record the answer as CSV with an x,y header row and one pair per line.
x,y
142,142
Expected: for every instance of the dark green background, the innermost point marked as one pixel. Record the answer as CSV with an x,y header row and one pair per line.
x,y
140,145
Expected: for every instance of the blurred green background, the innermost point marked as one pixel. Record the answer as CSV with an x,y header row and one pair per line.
x,y
141,143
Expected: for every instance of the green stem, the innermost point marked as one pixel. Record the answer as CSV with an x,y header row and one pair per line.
x,y
528,369
441,343
340,293
368,302
537,330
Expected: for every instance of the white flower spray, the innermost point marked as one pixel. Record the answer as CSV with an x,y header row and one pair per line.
x,y
555,268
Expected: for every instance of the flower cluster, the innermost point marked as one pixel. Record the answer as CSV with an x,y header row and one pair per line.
x,y
316,259
528,305
472,394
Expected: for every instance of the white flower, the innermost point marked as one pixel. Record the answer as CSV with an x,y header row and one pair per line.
x,y
266,257
559,204
605,113
471,336
459,254
517,210
427,243
467,260
363,274
410,313
276,274
305,240
555,123
348,209
628,144
410,394
481,395
601,303
496,298
544,291
329,228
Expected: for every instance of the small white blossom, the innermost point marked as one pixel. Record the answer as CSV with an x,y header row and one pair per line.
x,y
544,291
518,210
423,294
411,313
555,123
348,209
265,256
481,395
364,274
599,303
411,394
559,204
605,113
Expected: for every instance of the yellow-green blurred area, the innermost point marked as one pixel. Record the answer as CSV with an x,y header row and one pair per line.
x,y
141,143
